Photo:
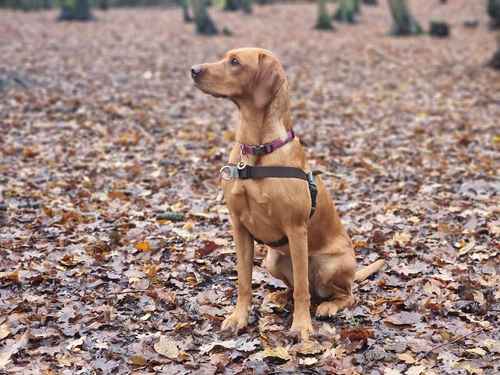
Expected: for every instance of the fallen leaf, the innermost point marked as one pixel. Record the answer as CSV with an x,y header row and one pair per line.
x,y
278,352
167,347
137,360
477,351
207,248
4,330
406,358
356,334
404,318
465,248
308,361
9,350
415,370
74,344
309,347
10,276
143,246
391,371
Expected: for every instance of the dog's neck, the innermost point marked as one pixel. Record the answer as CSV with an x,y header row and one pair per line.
x,y
258,126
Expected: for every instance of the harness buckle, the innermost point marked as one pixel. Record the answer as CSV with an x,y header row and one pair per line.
x,y
228,172
259,150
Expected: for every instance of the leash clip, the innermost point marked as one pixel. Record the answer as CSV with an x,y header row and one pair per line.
x,y
228,172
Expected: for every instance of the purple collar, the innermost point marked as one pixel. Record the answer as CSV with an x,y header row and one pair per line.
x,y
266,148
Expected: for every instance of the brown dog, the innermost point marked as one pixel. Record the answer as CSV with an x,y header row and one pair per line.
x,y
318,258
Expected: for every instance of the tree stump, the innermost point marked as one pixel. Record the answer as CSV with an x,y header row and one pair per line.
x,y
185,11
203,22
76,10
347,10
494,13
495,60
232,5
324,21
404,22
439,29
246,6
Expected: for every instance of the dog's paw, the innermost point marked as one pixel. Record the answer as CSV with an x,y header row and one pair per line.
x,y
327,309
234,323
302,328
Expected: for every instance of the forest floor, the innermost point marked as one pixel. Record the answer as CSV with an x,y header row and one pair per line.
x,y
115,247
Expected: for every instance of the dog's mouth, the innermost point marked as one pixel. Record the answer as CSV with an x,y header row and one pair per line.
x,y
209,92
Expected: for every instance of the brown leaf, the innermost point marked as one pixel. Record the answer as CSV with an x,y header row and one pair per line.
x,y
143,246
167,347
10,276
356,334
404,318
278,352
4,330
9,350
208,247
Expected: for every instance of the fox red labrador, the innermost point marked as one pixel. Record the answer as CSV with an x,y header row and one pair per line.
x,y
274,198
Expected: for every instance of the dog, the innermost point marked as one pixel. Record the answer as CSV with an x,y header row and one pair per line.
x,y
309,249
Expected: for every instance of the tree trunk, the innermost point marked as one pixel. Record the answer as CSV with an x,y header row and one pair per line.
x,y
232,5
103,4
324,21
370,2
75,10
204,24
347,10
404,22
494,12
246,6
185,10
495,60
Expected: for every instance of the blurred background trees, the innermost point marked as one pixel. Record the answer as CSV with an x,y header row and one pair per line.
x,y
494,13
347,11
75,10
202,20
185,10
324,21
403,21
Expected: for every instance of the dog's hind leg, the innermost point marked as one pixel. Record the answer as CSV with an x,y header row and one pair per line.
x,y
332,277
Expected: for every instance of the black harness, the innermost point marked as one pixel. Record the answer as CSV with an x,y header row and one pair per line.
x,y
244,172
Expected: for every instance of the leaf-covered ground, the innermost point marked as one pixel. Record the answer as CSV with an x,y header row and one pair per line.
x,y
116,253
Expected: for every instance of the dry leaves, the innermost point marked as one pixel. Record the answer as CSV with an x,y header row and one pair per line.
x,y
167,347
115,243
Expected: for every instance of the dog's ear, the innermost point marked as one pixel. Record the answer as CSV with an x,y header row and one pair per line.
x,y
268,80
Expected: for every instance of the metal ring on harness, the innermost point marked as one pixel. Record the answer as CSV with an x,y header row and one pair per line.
x,y
228,172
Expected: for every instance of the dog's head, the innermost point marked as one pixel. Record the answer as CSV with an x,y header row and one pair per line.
x,y
250,75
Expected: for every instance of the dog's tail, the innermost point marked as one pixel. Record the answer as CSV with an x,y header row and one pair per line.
x,y
369,270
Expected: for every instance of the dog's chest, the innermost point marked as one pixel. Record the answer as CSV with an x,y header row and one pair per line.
x,y
250,202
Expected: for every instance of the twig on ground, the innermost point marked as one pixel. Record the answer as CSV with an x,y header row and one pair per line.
x,y
459,338
129,292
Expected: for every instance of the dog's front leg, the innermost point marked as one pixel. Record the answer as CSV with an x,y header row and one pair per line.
x,y
244,253
301,325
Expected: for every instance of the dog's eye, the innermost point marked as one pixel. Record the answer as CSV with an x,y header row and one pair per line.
x,y
234,61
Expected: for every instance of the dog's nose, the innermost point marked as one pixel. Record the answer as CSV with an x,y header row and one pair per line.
x,y
196,71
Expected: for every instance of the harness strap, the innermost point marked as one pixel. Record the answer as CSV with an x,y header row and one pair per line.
x,y
250,172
